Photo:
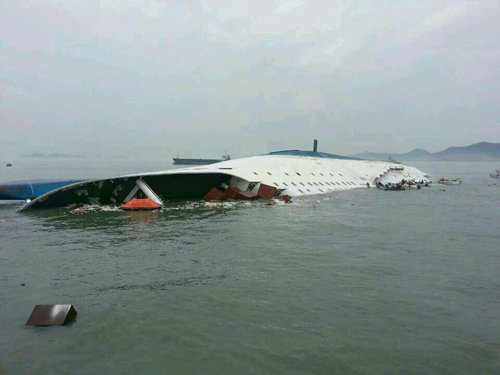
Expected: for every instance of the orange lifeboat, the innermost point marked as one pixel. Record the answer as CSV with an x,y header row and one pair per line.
x,y
140,205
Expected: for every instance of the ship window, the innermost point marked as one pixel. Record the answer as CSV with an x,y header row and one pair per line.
x,y
321,174
301,191
302,183
293,183
310,184
320,190
340,174
313,174
275,183
269,173
308,190
284,183
287,174
344,183
298,174
255,173
315,183
331,174
320,183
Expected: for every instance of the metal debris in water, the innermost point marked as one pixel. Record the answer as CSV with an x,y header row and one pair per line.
x,y
51,315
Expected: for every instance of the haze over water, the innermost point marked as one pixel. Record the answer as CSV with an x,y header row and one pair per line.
x,y
362,281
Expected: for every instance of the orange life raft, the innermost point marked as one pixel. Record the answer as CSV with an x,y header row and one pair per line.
x,y
140,204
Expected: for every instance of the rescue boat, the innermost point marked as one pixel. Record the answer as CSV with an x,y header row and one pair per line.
x,y
144,204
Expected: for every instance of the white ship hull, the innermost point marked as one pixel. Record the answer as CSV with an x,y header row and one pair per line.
x,y
298,176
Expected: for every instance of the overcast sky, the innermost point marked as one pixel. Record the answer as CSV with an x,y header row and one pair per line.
x,y
155,78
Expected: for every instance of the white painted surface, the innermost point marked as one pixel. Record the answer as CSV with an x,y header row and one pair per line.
x,y
296,175
300,175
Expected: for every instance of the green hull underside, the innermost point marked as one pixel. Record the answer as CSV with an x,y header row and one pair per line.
x,y
114,191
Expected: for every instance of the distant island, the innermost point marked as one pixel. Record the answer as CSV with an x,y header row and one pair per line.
x,y
483,151
53,155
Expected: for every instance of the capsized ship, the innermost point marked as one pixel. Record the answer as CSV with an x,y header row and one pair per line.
x,y
293,172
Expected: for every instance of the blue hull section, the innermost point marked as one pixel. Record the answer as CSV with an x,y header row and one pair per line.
x,y
22,190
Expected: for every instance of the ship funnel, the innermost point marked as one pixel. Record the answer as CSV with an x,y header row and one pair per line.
x,y
315,146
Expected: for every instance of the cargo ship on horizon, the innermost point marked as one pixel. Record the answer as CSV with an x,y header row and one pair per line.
x,y
187,161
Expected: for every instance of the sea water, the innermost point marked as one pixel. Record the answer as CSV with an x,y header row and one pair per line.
x,y
355,282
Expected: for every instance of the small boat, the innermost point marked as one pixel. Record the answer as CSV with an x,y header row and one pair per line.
x,y
448,181
389,186
407,186
495,173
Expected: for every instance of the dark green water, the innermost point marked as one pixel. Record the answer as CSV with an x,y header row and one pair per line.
x,y
359,282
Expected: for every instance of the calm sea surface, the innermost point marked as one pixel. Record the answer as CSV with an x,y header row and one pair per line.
x,y
357,282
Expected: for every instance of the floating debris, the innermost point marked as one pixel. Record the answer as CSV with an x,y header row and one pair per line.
x,y
51,315
286,198
75,206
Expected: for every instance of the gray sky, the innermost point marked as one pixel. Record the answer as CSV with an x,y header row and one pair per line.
x,y
146,78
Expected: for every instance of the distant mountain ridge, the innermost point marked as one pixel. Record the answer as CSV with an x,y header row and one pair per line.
x,y
482,151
